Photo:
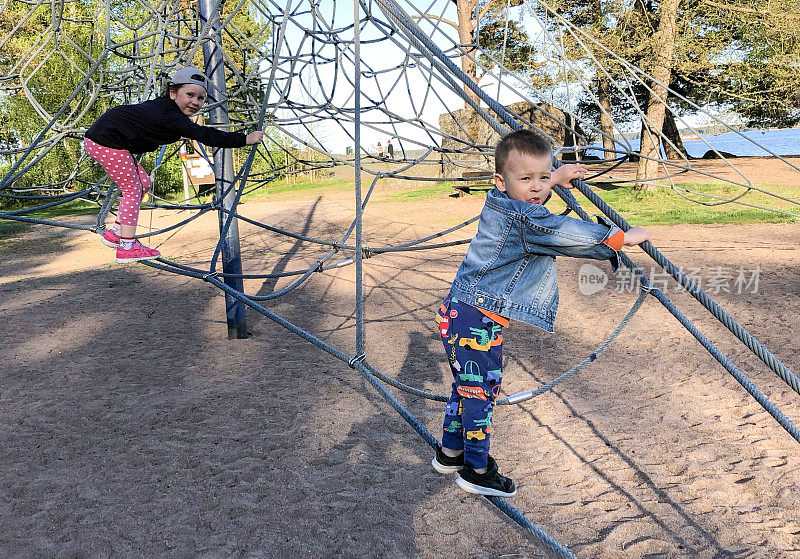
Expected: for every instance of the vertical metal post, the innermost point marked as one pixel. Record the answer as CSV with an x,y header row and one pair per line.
x,y
223,170
359,213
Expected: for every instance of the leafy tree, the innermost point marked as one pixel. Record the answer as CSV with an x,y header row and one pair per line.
x,y
607,30
44,54
661,58
756,75
504,39
466,28
731,57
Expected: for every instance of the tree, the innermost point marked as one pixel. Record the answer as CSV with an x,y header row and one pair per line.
x,y
503,39
466,28
730,57
652,124
46,50
487,24
43,69
597,34
756,76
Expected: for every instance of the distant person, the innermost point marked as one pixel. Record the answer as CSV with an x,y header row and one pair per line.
x,y
390,149
380,151
127,129
509,272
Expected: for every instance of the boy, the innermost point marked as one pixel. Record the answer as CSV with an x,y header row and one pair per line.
x,y
509,272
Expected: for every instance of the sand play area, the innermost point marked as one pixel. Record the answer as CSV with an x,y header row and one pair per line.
x,y
130,426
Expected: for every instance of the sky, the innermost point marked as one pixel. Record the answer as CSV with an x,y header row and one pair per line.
x,y
399,81
410,97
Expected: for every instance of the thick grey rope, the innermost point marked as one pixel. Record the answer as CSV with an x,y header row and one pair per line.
x,y
524,396
702,297
356,363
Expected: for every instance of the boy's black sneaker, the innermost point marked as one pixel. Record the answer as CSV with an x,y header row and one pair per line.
x,y
445,464
490,483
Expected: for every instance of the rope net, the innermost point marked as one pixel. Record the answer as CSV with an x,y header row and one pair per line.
x,y
327,91
66,62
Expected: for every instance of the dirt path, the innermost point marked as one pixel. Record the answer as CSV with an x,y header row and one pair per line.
x,y
131,427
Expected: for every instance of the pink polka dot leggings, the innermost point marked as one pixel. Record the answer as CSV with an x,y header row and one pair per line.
x,y
127,173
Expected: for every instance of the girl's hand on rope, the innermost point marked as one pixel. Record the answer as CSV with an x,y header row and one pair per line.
x,y
636,235
254,137
564,174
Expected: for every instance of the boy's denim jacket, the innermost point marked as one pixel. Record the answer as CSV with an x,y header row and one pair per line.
x,y
510,266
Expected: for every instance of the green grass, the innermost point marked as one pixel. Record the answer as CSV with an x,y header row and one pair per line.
x,y
662,206
9,227
439,189
280,187
75,207
666,207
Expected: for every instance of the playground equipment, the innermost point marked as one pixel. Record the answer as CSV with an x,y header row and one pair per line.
x,y
307,78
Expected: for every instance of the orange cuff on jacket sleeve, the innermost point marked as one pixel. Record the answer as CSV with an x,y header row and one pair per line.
x,y
616,240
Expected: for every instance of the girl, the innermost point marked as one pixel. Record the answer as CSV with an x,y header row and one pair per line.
x,y
122,131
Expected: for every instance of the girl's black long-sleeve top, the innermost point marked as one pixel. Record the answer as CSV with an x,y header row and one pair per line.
x,y
145,126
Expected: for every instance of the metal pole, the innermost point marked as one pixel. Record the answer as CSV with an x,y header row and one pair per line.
x,y
359,213
223,171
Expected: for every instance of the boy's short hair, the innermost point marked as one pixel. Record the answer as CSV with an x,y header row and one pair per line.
x,y
523,141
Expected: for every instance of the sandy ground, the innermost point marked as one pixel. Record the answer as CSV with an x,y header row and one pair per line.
x,y
132,427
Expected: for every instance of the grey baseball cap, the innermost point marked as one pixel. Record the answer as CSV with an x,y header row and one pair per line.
x,y
189,74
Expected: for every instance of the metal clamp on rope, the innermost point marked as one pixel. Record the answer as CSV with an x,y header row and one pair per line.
x,y
210,275
650,288
366,253
361,357
319,267
521,397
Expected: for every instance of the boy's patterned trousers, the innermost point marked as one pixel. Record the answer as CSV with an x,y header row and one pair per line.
x,y
474,346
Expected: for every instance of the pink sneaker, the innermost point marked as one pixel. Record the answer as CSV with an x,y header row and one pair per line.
x,y
110,239
137,252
